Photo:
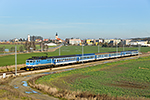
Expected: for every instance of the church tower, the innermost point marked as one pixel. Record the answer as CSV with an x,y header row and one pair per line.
x,y
28,38
56,37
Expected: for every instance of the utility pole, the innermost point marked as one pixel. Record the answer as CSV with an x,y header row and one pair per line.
x,y
82,53
98,48
123,46
139,50
16,60
59,51
116,48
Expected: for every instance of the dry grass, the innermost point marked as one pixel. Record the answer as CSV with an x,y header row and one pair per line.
x,y
11,68
75,95
9,93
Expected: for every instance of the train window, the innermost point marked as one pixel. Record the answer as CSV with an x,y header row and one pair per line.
x,y
30,61
27,61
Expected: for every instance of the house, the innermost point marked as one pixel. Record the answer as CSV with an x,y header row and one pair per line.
x,y
50,44
89,42
38,40
137,42
75,41
57,40
45,40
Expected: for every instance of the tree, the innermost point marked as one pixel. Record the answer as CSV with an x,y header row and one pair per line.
x,y
29,45
105,45
12,49
25,45
46,47
33,45
2,49
21,48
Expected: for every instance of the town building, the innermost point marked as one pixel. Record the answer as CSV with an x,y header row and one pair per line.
x,y
75,41
28,38
138,42
58,40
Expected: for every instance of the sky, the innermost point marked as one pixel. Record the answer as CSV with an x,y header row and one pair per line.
x,y
74,18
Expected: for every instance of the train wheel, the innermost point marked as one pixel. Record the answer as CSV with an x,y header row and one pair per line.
x,y
31,69
27,69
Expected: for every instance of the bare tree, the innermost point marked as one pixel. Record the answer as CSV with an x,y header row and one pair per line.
x,y
29,45
25,45
21,48
46,47
12,49
42,46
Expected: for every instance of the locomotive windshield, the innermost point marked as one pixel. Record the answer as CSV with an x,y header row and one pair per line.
x,y
30,61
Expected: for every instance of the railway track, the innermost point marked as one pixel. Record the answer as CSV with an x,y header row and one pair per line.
x,y
75,65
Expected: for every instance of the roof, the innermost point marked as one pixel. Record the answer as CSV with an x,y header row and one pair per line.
x,y
51,44
58,39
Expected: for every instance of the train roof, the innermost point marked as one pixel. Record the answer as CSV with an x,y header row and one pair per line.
x,y
62,56
86,54
113,52
46,57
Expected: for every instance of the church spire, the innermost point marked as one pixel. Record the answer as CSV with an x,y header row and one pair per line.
x,y
56,37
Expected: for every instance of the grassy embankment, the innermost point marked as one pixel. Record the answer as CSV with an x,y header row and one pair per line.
x,y
130,78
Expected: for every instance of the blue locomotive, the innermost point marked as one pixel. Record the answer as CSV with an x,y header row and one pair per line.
x,y
44,61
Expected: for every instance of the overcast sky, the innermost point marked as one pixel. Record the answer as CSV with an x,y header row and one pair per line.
x,y
74,18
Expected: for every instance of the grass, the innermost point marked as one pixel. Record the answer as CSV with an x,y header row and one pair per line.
x,y
65,50
8,46
130,78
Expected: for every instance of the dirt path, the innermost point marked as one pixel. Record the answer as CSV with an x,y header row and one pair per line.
x,y
20,83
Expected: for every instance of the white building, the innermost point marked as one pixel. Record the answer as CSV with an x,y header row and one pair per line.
x,y
50,44
74,41
28,38
136,42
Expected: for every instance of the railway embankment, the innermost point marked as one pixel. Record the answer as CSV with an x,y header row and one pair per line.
x,y
82,65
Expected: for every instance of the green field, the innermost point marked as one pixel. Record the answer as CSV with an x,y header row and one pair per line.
x,y
65,50
129,78
8,46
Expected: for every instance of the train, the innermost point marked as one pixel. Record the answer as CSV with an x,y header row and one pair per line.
x,y
48,62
